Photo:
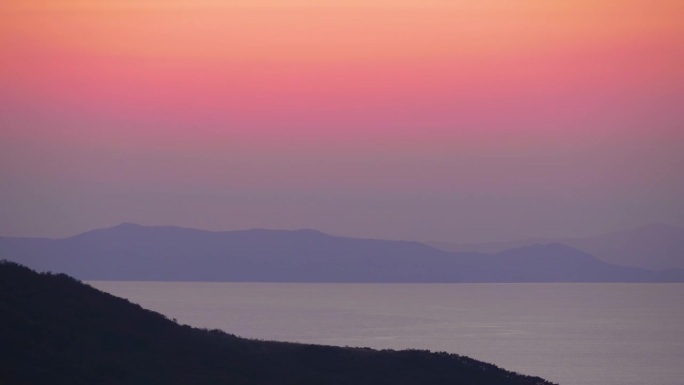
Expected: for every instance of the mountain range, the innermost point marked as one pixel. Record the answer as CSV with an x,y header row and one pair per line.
x,y
654,247
168,253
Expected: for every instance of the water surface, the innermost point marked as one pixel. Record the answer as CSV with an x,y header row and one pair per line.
x,y
573,334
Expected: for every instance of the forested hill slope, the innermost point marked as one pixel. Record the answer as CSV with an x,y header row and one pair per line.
x,y
57,330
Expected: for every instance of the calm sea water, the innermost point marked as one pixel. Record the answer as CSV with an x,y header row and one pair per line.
x,y
573,334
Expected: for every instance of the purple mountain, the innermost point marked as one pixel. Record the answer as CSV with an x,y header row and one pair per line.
x,y
134,252
654,247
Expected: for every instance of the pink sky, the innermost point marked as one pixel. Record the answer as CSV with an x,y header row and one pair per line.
x,y
414,119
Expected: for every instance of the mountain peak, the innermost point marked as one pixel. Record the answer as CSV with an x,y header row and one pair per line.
x,y
310,231
127,225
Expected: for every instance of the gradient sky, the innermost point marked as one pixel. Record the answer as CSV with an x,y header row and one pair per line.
x,y
431,120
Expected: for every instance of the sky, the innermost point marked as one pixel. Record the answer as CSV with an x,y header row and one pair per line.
x,y
433,120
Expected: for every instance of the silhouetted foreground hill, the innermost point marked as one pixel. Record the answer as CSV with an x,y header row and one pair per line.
x,y
166,253
57,330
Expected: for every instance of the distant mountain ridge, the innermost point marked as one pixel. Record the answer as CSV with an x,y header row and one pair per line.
x,y
167,253
654,247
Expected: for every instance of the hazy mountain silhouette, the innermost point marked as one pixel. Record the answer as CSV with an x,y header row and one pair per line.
x,y
649,247
134,252
56,330
488,247
654,247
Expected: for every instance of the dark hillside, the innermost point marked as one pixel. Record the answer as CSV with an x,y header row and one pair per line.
x,y
57,330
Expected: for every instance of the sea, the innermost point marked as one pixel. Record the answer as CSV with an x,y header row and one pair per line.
x,y
568,333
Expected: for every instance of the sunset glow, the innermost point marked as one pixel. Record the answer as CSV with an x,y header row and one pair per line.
x,y
307,97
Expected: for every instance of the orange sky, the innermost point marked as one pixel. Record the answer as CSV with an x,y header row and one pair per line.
x,y
301,85
308,55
